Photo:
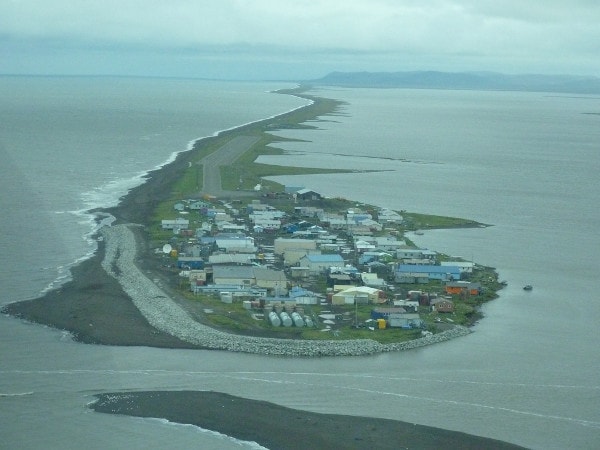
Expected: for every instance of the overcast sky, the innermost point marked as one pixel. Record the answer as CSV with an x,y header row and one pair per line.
x,y
297,39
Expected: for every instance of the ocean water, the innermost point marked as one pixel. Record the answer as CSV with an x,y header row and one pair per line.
x,y
72,144
526,163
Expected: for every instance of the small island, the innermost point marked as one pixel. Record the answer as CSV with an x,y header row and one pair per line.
x,y
209,254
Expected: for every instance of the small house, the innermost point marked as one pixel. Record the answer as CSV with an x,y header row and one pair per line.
x,y
307,194
372,280
303,297
415,253
384,313
442,305
318,263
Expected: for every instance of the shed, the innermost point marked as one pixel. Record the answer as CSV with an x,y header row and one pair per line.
x,y
462,288
190,262
307,194
406,320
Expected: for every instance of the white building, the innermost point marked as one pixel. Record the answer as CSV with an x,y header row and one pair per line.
x,y
175,224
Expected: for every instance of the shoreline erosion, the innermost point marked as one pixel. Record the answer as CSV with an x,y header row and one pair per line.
x,y
96,309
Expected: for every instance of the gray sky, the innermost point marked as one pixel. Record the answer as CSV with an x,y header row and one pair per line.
x,y
297,39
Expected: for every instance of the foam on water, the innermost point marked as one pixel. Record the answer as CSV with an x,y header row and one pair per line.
x,y
228,440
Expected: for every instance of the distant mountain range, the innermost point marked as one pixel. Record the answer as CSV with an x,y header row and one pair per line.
x,y
464,80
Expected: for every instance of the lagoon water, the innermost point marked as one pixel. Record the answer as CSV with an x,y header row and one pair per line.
x,y
527,163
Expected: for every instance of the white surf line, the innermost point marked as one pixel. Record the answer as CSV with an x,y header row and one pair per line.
x,y
16,394
388,378
582,422
311,374
225,437
240,376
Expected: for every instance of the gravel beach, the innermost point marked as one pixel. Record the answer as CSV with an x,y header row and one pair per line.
x,y
165,315
277,427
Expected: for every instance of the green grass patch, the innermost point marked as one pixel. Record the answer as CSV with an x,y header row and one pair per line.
x,y
415,221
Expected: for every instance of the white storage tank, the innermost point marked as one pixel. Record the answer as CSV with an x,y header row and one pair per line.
x,y
274,319
226,297
286,320
297,318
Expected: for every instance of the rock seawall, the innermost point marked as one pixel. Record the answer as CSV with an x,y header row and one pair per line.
x,y
165,315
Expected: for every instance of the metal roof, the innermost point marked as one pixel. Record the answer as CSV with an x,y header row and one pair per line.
x,y
324,258
410,268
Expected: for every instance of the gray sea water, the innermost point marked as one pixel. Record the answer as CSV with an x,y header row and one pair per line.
x,y
527,163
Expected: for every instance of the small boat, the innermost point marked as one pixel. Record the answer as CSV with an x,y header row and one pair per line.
x,y
527,287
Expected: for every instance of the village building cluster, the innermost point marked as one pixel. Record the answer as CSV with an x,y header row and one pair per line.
x,y
272,260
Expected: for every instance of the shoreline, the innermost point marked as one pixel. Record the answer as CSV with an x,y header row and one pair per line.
x,y
279,427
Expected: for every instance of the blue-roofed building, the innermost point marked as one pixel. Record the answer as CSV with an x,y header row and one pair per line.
x,y
318,263
303,297
190,262
405,272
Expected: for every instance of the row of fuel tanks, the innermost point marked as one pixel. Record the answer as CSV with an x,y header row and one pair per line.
x,y
279,317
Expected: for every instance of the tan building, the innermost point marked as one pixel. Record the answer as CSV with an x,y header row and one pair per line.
x,y
358,294
283,244
272,280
